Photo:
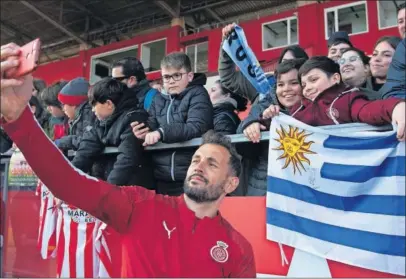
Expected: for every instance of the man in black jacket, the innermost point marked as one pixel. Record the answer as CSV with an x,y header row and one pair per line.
x,y
130,71
184,112
115,108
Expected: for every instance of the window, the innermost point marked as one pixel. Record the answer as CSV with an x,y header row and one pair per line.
x,y
387,13
198,55
279,33
351,18
101,63
152,54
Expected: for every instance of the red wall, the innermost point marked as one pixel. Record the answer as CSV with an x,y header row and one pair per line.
x,y
66,69
311,38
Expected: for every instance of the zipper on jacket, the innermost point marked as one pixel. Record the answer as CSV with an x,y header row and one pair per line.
x,y
76,121
173,166
169,110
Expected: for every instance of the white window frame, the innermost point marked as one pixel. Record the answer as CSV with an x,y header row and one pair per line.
x,y
288,19
153,41
336,8
195,58
379,19
95,57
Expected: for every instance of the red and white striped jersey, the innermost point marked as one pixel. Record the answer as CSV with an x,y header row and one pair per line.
x,y
47,222
106,265
77,255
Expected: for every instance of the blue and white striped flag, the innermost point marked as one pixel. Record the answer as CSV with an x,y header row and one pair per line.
x,y
338,195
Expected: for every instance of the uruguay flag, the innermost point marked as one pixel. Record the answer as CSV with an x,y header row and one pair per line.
x,y
338,195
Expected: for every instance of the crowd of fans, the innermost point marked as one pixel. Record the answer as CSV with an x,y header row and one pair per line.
x,y
129,112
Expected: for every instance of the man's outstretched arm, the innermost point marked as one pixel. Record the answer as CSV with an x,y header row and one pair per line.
x,y
111,204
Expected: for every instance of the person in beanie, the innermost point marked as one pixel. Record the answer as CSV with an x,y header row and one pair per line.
x,y
58,120
75,104
337,44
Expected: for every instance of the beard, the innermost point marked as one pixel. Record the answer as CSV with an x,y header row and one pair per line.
x,y
203,194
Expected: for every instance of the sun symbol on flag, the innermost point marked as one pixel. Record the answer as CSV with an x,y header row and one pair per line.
x,y
294,148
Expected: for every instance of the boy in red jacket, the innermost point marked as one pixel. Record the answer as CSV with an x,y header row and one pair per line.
x,y
328,101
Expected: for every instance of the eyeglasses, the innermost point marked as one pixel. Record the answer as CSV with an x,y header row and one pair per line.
x,y
120,78
353,58
175,77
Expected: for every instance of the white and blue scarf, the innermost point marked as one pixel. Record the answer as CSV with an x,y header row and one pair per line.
x,y
236,46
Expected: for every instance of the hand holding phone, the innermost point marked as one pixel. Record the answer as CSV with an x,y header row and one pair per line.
x,y
28,58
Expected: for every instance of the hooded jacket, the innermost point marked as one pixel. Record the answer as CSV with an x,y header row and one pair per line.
x,y
339,104
179,118
83,122
226,120
127,167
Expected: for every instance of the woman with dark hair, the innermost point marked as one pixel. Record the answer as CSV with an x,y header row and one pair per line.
x,y
382,55
327,100
292,52
355,71
225,104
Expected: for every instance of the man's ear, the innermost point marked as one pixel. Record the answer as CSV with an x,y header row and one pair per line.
x,y
134,80
232,184
190,76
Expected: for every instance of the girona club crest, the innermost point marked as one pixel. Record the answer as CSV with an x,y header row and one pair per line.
x,y
219,252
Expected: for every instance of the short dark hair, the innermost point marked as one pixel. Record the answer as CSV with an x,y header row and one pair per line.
x,y
39,85
323,63
401,7
212,137
297,51
393,41
131,67
241,101
177,60
50,94
288,65
106,89
364,58
38,108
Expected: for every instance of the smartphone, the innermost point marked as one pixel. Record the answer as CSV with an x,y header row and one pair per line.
x,y
29,57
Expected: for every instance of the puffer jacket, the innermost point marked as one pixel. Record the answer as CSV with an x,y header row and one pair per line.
x,y
127,167
226,120
179,118
83,122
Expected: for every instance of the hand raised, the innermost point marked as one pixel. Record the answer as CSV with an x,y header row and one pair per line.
x,y
15,93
